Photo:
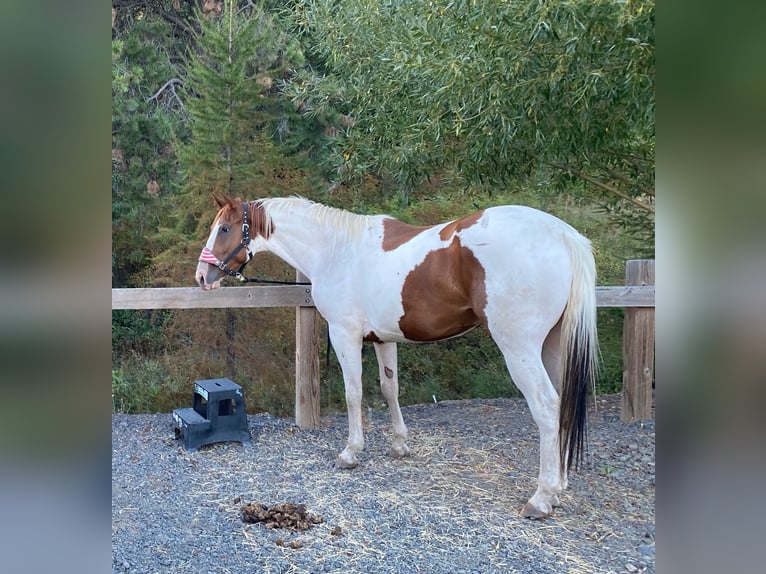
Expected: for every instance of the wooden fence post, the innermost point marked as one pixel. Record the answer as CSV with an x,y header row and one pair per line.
x,y
306,365
638,347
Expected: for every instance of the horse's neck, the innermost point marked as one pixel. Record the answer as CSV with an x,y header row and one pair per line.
x,y
304,239
298,246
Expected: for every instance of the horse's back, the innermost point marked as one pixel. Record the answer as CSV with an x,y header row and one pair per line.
x,y
516,226
519,242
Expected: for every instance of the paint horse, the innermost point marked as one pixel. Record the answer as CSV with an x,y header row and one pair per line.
x,y
525,275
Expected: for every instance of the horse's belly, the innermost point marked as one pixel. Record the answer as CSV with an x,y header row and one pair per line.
x,y
434,323
424,333
425,320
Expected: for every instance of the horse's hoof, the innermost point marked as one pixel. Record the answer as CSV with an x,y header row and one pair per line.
x,y
343,464
400,451
532,512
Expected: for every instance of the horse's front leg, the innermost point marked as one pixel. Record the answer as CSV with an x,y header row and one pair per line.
x,y
348,349
389,384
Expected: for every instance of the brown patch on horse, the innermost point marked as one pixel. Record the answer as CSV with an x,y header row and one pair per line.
x,y
257,216
389,372
459,224
396,233
443,296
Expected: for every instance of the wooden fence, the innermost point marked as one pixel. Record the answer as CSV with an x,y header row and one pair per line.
x,y
636,296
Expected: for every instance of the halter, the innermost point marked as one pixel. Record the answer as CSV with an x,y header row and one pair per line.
x,y
209,257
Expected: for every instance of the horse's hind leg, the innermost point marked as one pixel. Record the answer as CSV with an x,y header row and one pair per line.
x,y
524,361
553,365
389,384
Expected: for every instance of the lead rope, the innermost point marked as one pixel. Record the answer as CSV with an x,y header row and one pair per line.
x,y
244,279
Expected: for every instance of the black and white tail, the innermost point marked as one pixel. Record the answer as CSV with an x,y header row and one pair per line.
x,y
579,345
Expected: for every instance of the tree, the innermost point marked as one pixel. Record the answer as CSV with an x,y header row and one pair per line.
x,y
495,90
234,112
144,121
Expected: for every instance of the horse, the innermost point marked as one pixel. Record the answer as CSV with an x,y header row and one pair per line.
x,y
526,276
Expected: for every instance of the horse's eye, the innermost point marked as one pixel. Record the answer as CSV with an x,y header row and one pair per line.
x,y
225,229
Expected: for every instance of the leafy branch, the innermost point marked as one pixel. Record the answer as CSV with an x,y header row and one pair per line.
x,y
604,186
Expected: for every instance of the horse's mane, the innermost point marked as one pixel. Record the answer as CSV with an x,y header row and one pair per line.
x,y
350,225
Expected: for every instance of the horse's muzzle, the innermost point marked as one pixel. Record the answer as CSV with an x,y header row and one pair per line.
x,y
205,272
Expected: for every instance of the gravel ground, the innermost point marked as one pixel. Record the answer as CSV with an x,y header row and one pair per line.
x,y
451,507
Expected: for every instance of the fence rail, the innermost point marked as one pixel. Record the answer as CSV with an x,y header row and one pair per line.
x,y
636,296
300,296
225,297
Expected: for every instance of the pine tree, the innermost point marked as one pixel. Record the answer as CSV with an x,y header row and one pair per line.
x,y
234,109
144,122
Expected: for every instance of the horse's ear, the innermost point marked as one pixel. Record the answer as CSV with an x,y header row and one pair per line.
x,y
221,199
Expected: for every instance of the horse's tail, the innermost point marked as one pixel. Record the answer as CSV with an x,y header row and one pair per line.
x,y
579,345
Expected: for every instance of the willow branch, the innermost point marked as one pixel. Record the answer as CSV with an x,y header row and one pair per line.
x,y
605,187
614,175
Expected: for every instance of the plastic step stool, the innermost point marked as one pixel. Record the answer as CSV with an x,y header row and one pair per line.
x,y
217,415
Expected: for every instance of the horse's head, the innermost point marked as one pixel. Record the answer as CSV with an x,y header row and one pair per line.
x,y
230,244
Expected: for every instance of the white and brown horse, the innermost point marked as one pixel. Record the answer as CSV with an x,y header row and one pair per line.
x,y
527,276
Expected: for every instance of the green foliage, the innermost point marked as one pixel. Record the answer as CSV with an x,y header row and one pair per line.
x,y
495,90
149,383
610,341
138,390
139,331
143,128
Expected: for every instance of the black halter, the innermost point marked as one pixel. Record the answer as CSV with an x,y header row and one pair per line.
x,y
245,244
